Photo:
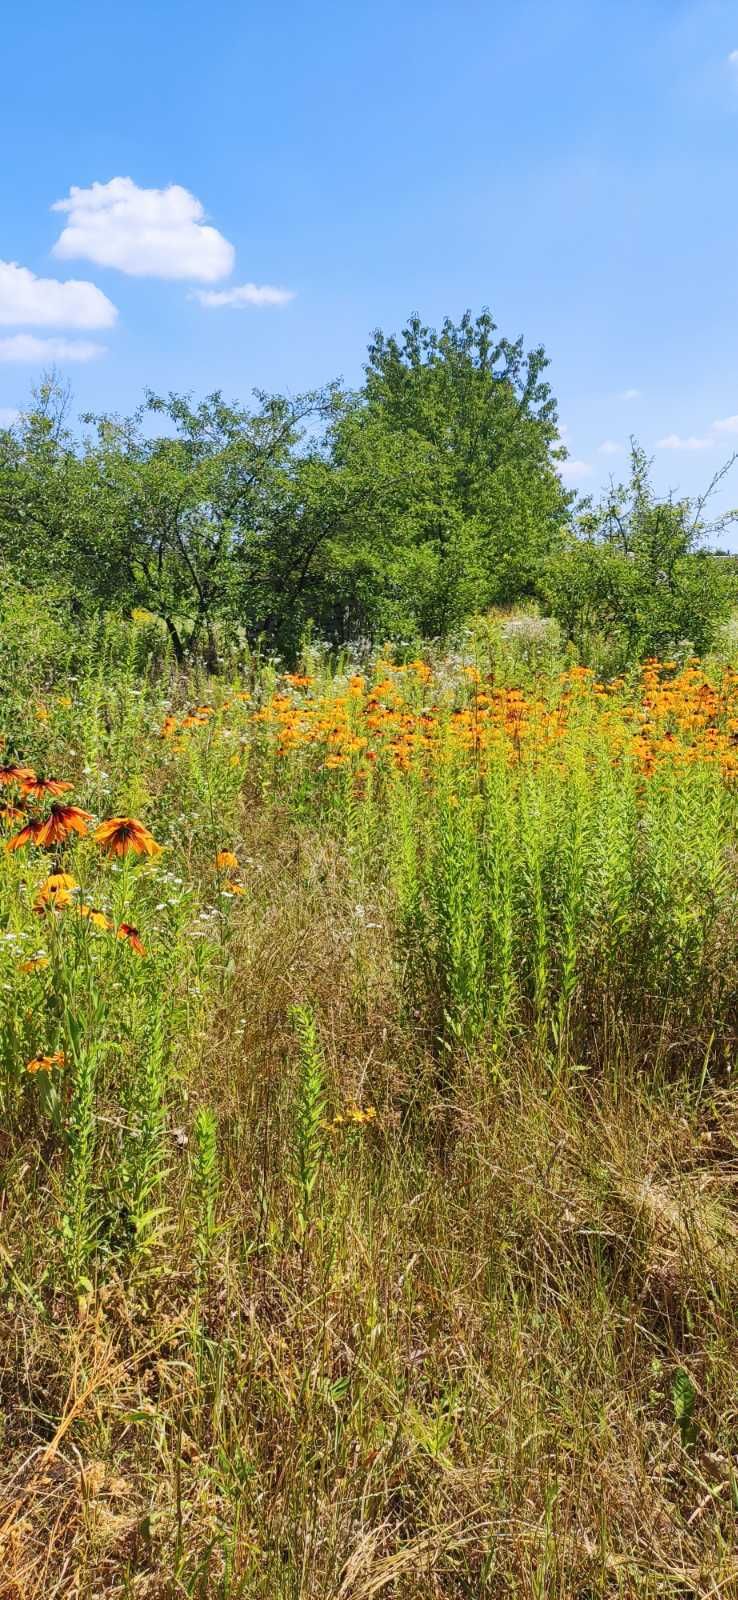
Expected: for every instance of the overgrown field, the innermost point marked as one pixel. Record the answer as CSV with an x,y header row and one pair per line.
x,y
368,1128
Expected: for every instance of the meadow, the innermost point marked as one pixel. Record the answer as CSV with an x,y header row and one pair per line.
x,y
368,1124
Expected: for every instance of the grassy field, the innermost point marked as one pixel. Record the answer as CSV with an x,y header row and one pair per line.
x,y
368,1127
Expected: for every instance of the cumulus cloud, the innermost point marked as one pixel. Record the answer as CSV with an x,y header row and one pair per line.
x,y
147,233
673,441
726,425
629,394
733,58
245,294
574,470
8,416
609,447
27,347
48,303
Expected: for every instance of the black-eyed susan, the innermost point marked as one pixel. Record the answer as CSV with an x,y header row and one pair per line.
x,y
61,821
14,773
33,785
35,963
226,861
56,883
96,918
46,1063
132,937
119,835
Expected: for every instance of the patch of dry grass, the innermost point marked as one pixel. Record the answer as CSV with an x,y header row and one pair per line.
x,y
457,1374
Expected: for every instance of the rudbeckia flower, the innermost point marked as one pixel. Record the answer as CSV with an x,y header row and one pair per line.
x,y
120,834
16,774
37,786
34,963
57,883
54,829
225,861
97,918
132,937
46,1063
10,813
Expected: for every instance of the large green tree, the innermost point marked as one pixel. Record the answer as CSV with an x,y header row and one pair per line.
x,y
449,459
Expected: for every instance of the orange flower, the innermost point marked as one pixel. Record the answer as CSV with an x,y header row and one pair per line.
x,y
46,1063
16,774
120,834
57,883
97,918
132,937
61,821
225,861
10,813
34,964
27,835
59,903
37,786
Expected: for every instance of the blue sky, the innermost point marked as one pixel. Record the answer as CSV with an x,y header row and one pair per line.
x,y
571,165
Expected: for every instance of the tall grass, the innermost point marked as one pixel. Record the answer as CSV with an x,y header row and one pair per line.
x,y
368,1211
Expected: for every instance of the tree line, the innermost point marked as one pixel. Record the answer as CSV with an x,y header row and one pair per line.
x,y
394,511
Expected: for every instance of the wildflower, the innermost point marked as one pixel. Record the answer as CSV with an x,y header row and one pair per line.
x,y
34,963
234,887
56,883
226,861
46,1063
353,1116
132,937
33,785
97,918
27,835
61,821
16,774
59,902
120,834
10,813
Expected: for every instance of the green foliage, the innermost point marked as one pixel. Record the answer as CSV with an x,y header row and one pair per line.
x,y
308,1141
205,1184
632,579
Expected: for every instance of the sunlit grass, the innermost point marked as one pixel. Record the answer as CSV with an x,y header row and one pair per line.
x,y
368,1137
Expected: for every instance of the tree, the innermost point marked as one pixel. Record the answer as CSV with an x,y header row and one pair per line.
x,y
451,451
633,577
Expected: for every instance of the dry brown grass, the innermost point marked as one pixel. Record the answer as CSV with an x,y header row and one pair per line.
x,y
459,1385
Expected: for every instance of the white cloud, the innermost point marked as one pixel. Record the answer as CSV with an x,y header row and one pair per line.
x,y
726,425
156,233
733,58
629,394
26,347
8,415
246,294
48,303
575,470
673,441
609,447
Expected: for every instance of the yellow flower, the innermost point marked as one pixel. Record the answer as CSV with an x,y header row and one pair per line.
x,y
226,861
34,964
45,1063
